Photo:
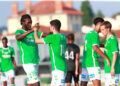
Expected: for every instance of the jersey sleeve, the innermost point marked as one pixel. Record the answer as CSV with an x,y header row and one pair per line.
x,y
40,34
12,52
49,39
114,45
95,39
19,32
77,49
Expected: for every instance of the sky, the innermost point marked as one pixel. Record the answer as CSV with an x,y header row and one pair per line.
x,y
108,8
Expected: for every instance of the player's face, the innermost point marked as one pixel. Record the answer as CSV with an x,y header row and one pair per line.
x,y
104,30
4,42
98,26
27,23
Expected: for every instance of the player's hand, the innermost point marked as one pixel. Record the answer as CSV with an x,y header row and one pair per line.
x,y
76,73
108,62
112,72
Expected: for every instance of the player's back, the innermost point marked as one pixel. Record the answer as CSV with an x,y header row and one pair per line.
x,y
70,56
57,51
90,57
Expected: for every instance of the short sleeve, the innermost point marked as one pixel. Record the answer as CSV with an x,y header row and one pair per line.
x,y
40,34
77,49
12,52
115,47
95,39
18,32
49,39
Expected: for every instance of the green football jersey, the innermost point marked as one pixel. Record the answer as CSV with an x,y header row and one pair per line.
x,y
111,45
57,46
90,57
6,55
28,48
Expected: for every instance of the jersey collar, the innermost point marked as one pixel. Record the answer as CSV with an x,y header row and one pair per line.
x,y
5,48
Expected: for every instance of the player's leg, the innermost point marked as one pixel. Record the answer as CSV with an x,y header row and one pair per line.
x,y
84,77
32,75
76,79
4,78
111,80
11,75
4,83
12,81
58,78
68,78
95,76
37,69
96,82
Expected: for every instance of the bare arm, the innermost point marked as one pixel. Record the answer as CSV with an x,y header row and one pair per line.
x,y
37,39
113,63
98,51
13,60
21,36
77,64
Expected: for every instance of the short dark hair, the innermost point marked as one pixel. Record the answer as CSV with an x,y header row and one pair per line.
x,y
56,23
70,36
5,38
25,16
107,24
97,20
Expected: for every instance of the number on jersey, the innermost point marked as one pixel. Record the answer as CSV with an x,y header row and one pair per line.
x,y
69,55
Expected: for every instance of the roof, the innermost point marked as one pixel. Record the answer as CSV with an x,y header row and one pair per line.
x,y
116,33
46,29
48,7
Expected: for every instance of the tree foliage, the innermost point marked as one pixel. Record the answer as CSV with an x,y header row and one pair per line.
x,y
87,13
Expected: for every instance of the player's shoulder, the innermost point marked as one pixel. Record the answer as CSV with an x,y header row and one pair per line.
x,y
10,47
20,31
91,33
0,48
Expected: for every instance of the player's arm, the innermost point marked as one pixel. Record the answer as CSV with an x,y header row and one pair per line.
x,y
113,63
77,64
37,39
14,63
21,36
98,51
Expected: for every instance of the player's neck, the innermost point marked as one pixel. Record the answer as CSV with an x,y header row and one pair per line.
x,y
55,32
24,28
5,46
109,34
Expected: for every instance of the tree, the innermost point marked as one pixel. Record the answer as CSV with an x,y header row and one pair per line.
x,y
87,13
114,15
99,14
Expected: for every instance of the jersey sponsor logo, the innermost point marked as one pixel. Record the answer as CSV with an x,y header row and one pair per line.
x,y
83,76
6,56
92,75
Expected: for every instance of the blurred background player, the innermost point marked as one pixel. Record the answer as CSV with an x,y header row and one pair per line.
x,y
72,57
90,64
112,52
28,50
57,46
8,64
